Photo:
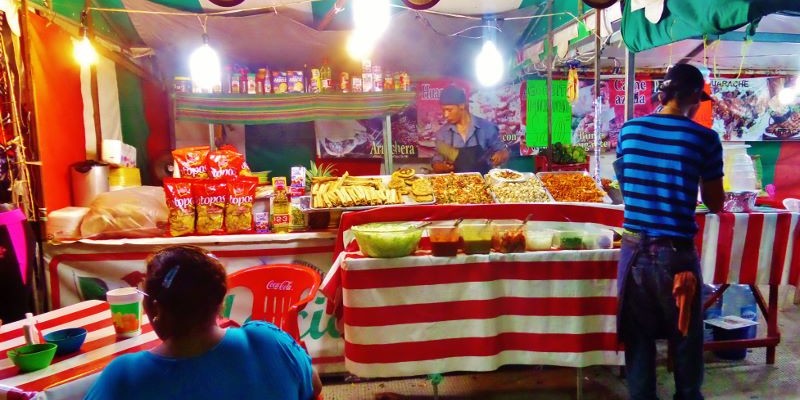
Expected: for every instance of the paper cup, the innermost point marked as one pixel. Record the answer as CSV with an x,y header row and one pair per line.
x,y
126,311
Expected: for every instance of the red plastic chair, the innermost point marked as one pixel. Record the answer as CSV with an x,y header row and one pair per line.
x,y
276,293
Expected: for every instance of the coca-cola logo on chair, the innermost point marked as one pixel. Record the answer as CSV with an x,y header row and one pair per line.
x,y
227,3
280,285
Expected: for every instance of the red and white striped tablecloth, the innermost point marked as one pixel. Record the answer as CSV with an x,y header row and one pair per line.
x,y
69,376
418,315
421,314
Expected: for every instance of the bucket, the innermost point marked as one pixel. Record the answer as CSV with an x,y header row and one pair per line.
x,y
731,334
89,178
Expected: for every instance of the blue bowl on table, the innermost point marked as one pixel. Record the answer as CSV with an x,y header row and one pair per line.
x,y
68,340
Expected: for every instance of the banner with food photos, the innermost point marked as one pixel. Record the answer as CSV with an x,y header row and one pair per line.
x,y
612,113
364,138
752,109
504,107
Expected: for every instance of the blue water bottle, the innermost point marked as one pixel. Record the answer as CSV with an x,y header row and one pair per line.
x,y
713,311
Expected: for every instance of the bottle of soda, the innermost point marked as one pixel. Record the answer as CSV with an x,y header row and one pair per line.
x,y
326,75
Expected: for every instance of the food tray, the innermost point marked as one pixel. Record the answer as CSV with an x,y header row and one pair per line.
x,y
407,200
527,175
606,199
431,176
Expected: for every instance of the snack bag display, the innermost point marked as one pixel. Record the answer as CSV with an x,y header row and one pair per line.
x,y
210,197
192,161
181,206
296,82
280,82
225,163
239,210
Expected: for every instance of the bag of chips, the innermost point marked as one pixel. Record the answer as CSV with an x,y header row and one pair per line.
x,y
223,164
181,206
192,161
210,197
239,210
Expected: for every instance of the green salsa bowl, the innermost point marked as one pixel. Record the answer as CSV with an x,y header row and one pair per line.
x,y
387,239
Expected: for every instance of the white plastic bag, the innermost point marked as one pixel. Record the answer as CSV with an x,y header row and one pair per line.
x,y
129,213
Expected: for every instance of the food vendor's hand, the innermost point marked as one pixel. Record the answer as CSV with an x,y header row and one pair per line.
x,y
500,157
442,167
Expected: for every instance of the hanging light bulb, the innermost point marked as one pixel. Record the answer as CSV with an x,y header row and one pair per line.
x,y
371,16
84,51
82,48
787,95
360,45
204,67
489,66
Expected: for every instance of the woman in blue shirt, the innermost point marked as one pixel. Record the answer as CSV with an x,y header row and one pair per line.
x,y
185,286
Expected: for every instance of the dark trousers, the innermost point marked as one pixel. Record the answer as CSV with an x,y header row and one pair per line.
x,y
649,313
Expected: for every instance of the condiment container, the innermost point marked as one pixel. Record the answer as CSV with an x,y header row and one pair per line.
x,y
444,238
598,238
568,239
476,236
508,236
538,237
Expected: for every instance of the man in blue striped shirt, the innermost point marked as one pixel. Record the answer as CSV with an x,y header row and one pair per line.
x,y
662,160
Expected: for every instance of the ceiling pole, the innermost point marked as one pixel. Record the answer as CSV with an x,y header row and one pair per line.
x,y
630,82
95,92
328,18
550,59
598,96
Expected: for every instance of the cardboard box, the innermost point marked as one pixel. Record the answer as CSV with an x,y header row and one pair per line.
x,y
117,153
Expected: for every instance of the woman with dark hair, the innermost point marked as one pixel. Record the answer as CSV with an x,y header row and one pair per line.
x,y
184,288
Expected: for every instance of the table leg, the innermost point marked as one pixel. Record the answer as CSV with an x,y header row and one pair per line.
x,y
579,384
772,322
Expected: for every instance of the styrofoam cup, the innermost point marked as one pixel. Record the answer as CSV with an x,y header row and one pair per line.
x,y
126,311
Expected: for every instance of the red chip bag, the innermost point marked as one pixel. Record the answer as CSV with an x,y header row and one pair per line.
x,y
192,161
239,210
210,198
181,206
225,164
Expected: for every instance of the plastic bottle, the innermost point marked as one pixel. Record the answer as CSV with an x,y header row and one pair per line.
x,y
714,311
738,300
326,76
32,333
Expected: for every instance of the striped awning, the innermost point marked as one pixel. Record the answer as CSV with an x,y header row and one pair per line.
x,y
288,108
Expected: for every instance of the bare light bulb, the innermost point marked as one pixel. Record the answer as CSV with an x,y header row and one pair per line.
x,y
84,52
489,65
371,16
204,67
360,45
787,95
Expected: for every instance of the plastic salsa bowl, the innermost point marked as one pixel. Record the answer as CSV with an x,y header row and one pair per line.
x,y
387,239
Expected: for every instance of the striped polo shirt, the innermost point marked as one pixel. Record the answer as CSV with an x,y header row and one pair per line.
x,y
664,158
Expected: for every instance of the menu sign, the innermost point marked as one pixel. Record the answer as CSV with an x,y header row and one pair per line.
x,y
537,107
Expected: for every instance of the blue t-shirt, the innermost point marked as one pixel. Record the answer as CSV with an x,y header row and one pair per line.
x,y
257,361
664,158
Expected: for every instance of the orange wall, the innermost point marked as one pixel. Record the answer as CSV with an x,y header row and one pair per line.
x,y
59,108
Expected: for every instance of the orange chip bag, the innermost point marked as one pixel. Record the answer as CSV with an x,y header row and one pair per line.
x,y
239,210
192,161
210,197
181,206
225,164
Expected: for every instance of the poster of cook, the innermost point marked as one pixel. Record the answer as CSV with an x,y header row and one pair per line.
x,y
364,138
751,110
612,112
